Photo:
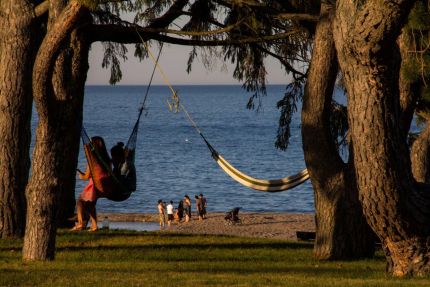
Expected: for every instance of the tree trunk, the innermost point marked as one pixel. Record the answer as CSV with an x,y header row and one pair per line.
x,y
341,229
17,50
70,64
55,110
409,94
365,36
409,90
420,156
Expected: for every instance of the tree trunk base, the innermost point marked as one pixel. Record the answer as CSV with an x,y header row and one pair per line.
x,y
408,257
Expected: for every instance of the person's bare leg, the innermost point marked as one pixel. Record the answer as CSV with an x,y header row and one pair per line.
x,y
93,215
80,214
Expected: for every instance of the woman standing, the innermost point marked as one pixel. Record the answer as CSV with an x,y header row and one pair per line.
x,y
187,208
86,204
179,211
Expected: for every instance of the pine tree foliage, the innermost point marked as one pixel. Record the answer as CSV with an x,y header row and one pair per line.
x,y
288,106
416,67
240,20
255,19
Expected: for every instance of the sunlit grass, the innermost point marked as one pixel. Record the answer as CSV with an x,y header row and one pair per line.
x,y
120,258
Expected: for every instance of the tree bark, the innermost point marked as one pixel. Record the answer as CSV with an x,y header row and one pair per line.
x,y
420,156
17,49
71,64
409,90
398,211
44,188
68,66
409,94
341,229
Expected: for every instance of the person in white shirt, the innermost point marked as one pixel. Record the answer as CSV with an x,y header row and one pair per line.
x,y
169,213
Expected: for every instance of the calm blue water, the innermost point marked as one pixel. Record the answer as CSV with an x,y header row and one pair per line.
x,y
172,160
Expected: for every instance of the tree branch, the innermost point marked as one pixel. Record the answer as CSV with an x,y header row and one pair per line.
x,y
287,65
297,17
48,51
41,9
128,35
174,12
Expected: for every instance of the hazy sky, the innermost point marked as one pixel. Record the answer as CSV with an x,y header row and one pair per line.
x,y
173,61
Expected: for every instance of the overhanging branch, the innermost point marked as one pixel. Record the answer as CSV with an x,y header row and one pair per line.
x,y
297,17
128,35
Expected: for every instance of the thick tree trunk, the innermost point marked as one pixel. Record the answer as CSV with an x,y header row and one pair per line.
x,y
69,66
72,64
55,110
17,50
365,36
341,229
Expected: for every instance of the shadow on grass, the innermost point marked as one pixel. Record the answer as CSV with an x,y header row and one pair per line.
x,y
75,239
201,246
270,270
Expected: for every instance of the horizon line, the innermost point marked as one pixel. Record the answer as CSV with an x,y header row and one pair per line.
x,y
183,84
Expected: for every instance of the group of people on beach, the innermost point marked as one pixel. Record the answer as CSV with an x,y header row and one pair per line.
x,y
86,203
182,211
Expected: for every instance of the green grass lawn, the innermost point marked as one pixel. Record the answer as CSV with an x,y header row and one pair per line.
x,y
121,258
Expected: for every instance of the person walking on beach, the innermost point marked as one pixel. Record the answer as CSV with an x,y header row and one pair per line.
x,y
199,207
187,208
169,213
204,205
161,214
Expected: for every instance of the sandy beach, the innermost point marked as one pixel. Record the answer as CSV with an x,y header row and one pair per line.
x,y
262,225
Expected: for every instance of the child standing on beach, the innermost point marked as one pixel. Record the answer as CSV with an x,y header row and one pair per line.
x,y
161,213
169,213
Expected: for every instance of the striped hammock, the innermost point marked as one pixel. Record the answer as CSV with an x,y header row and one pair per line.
x,y
275,185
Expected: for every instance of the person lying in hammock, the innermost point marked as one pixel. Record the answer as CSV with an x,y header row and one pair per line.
x,y
122,169
86,204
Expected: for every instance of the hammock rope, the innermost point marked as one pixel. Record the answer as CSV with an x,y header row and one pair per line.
x,y
246,180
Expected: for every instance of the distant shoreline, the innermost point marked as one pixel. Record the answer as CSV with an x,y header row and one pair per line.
x,y
274,225
153,217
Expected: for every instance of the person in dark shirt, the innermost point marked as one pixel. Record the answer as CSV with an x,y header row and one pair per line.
x,y
199,207
204,205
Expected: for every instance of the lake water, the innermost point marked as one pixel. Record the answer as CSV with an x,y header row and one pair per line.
x,y
172,160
